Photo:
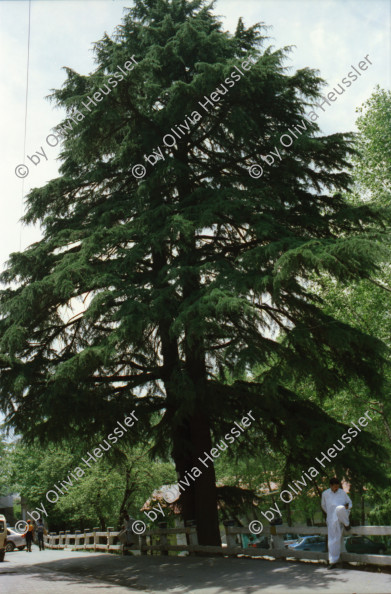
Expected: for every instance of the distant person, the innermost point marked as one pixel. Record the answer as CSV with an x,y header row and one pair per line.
x,y
29,535
40,534
130,539
337,505
126,535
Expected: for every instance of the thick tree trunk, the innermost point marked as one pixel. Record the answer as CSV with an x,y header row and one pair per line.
x,y
187,412
184,462
178,421
200,430
205,485
198,500
191,441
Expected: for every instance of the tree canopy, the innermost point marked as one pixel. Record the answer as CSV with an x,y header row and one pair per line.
x,y
149,293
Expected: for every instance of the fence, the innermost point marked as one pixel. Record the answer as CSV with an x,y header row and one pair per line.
x,y
158,542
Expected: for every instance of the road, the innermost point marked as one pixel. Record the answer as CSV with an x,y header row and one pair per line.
x,y
67,572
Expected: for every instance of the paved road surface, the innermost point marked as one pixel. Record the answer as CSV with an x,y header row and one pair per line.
x,y
66,572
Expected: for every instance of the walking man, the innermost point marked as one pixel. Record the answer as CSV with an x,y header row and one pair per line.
x,y
40,533
130,538
127,536
29,535
337,505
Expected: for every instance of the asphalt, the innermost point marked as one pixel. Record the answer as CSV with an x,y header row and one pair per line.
x,y
67,572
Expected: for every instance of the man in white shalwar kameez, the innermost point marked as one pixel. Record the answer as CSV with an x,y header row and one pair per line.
x,y
337,505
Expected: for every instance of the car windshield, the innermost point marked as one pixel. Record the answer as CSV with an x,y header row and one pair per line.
x,y
300,540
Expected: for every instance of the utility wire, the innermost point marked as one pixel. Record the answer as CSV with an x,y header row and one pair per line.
x,y
25,120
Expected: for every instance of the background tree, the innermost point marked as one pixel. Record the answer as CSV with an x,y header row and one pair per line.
x,y
366,304
120,482
5,451
372,172
177,279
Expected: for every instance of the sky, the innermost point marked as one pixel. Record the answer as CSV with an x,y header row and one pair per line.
x,y
328,35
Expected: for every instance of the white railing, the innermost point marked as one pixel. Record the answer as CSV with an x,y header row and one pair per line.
x,y
158,541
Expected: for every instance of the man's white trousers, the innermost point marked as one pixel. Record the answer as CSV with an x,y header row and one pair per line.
x,y
338,518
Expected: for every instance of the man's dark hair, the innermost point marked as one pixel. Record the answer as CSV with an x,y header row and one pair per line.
x,y
334,481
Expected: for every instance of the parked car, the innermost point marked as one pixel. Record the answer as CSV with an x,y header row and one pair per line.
x,y
264,543
3,536
290,538
362,544
14,541
310,543
260,543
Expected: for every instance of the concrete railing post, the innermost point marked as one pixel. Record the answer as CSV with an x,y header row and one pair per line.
x,y
343,546
163,538
231,538
61,540
180,537
96,538
276,542
110,538
77,538
50,542
86,538
192,538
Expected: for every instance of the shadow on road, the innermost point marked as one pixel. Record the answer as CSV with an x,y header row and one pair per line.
x,y
189,574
